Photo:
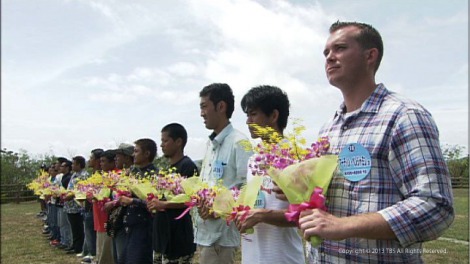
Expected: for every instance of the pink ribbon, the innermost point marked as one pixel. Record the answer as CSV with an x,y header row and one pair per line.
x,y
190,205
235,211
317,200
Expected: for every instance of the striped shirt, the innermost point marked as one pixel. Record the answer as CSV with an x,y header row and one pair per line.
x,y
408,184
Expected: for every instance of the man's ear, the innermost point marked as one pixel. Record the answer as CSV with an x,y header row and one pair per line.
x,y
274,116
221,106
372,55
179,142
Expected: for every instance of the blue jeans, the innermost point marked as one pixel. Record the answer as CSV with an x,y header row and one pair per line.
x,y
90,234
64,225
53,223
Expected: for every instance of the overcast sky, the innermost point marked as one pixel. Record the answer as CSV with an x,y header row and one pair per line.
x,y
83,74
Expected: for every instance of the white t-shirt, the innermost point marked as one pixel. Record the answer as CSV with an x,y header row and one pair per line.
x,y
269,243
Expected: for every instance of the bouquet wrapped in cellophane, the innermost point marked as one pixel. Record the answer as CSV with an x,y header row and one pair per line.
x,y
195,192
164,185
302,173
228,203
99,185
40,184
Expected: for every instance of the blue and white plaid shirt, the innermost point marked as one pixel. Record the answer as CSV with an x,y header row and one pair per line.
x,y
72,207
409,183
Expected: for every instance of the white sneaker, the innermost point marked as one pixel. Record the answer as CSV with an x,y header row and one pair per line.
x,y
79,255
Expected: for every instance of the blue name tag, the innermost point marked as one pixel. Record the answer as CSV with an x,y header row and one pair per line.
x,y
354,162
218,169
260,200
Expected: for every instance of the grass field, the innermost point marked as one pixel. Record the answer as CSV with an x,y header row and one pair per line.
x,y
22,242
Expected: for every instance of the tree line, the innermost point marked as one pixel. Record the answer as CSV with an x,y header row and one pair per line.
x,y
21,167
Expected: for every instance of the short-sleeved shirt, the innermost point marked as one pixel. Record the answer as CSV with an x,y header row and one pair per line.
x,y
171,237
270,243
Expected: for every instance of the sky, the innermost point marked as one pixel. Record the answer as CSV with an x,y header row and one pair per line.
x,y
84,74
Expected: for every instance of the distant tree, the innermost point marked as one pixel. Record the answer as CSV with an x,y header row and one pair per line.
x,y
458,166
20,167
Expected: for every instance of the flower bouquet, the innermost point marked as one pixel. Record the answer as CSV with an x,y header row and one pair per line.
x,y
302,173
229,202
98,186
196,191
39,184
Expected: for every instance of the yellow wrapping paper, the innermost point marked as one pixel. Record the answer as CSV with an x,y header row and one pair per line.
x,y
298,181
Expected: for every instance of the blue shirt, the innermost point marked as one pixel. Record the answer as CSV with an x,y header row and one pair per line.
x,y
226,159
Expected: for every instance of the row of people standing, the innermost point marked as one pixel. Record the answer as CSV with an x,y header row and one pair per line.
x,y
403,199
136,235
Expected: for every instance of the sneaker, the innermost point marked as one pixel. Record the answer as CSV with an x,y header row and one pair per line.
x,y
79,255
86,259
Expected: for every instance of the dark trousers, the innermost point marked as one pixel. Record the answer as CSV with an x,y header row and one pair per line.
x,y
78,233
138,246
119,243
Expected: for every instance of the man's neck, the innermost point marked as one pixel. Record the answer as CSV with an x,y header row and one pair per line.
x,y
143,165
175,158
355,96
221,126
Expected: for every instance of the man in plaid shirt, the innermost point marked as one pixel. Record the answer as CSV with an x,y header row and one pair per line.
x,y
392,190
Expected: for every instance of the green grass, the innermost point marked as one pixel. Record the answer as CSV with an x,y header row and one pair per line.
x,y
21,238
22,241
455,252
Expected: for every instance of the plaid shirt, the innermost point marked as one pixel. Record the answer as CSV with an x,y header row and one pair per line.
x,y
72,207
409,183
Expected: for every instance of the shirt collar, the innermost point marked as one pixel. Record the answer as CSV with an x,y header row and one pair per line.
x,y
371,104
219,138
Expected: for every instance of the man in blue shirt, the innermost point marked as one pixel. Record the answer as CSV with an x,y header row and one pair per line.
x,y
226,159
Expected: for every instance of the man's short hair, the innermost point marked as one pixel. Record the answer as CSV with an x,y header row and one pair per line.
x,y
61,160
218,92
97,153
147,144
80,161
68,164
176,131
109,155
368,37
268,98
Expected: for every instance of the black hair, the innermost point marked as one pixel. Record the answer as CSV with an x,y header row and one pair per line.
x,y
97,153
109,155
68,164
147,144
220,92
268,98
176,131
61,160
80,161
368,37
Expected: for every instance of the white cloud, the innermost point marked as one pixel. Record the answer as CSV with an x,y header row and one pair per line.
x,y
110,64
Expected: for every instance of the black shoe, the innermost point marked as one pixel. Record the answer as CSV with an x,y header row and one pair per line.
x,y
61,246
69,249
69,252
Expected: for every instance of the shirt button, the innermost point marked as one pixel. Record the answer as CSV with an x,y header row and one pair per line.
x,y
345,127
